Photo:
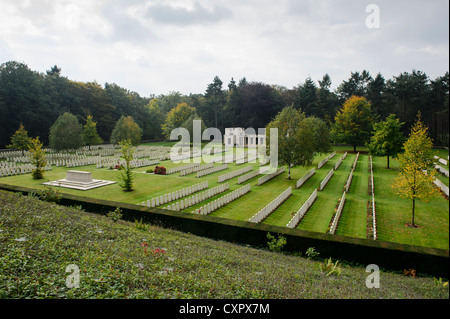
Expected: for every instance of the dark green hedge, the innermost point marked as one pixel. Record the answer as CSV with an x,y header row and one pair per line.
x,y
386,255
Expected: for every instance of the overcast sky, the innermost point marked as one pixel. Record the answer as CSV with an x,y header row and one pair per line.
x,y
158,46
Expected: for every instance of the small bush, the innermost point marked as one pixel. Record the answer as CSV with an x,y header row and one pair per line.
x,y
330,268
160,170
149,171
115,215
50,195
141,225
312,253
276,244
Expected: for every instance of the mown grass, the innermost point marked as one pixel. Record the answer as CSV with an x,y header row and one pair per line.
x,y
392,212
117,260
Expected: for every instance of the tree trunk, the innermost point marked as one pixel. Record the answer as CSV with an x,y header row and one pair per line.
x,y
388,161
354,148
289,171
413,208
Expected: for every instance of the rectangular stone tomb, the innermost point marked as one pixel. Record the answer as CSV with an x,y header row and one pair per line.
x,y
79,180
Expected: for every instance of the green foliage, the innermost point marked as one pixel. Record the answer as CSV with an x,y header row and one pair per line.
x,y
176,117
329,268
387,139
115,215
90,134
127,176
440,283
299,138
66,133
20,140
49,195
415,180
126,129
140,225
37,158
312,253
276,243
353,122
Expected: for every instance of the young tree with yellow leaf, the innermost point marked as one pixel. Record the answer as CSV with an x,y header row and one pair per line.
x,y
415,180
353,122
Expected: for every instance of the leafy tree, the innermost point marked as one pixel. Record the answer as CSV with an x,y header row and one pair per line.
x,y
319,134
66,133
295,138
189,124
176,117
156,119
20,139
126,129
37,158
415,180
387,139
127,176
353,122
90,135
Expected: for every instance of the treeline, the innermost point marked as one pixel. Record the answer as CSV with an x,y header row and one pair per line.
x,y
36,100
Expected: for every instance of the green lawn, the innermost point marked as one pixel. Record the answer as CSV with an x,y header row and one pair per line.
x,y
392,212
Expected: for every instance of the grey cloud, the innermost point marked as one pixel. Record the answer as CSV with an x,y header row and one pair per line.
x,y
181,16
125,28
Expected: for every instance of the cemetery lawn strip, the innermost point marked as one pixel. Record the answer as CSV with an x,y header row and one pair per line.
x,y
393,213
354,215
117,260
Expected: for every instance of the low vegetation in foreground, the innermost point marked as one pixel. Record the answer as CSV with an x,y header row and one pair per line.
x,y
44,246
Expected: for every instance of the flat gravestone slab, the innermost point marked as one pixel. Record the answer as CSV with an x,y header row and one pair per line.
x,y
79,180
79,176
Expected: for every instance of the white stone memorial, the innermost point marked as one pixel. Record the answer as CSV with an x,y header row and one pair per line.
x,y
80,180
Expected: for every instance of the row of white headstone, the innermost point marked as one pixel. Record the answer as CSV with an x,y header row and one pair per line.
x,y
322,163
307,176
212,170
441,185
268,177
180,168
196,169
197,198
441,170
374,223
350,176
222,201
336,166
169,197
338,214
325,181
336,217
269,208
20,169
302,211
248,176
441,160
230,175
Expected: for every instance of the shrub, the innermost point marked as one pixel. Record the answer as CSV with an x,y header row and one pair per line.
x,y
312,253
141,225
330,268
50,195
276,244
115,215
161,170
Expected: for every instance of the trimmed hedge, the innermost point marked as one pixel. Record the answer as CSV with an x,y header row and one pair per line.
x,y
386,255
